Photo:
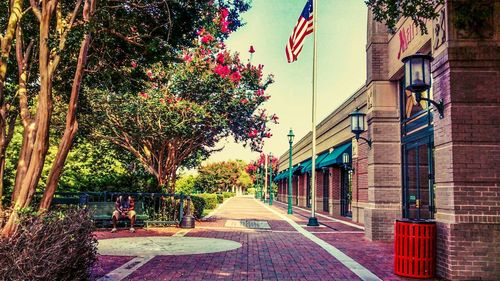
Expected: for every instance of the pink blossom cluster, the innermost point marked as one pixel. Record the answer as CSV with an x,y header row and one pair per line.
x,y
224,23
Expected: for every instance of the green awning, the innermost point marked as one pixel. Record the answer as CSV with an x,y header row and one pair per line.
x,y
335,157
320,157
296,168
280,175
304,166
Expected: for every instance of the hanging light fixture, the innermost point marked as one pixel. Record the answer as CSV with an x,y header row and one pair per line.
x,y
418,78
358,125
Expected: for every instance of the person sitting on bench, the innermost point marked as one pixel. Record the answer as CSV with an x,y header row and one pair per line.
x,y
124,207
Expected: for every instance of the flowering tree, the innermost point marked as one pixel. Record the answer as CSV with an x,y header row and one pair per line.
x,y
252,167
186,107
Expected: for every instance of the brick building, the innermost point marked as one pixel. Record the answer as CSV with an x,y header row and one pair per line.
x,y
418,165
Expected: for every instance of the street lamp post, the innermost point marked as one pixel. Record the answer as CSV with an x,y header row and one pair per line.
x,y
270,178
257,186
290,141
261,183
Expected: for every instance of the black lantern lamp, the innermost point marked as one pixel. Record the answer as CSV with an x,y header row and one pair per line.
x,y
346,162
358,125
290,136
418,78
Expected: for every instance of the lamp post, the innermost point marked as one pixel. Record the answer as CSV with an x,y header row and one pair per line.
x,y
257,188
418,78
358,125
261,183
270,178
290,135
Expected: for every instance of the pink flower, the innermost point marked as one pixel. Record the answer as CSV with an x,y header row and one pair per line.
x,y
207,38
221,45
133,64
253,133
224,26
200,31
188,58
222,71
224,12
149,73
268,135
259,92
243,101
143,95
220,58
235,77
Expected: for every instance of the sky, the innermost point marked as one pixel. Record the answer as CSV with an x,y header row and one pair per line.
x,y
341,39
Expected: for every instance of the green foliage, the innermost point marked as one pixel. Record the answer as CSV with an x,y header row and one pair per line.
x,y
389,11
210,200
228,194
221,176
185,184
251,190
90,166
220,198
199,203
475,17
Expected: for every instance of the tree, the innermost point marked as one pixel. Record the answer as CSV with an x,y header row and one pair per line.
x,y
186,184
186,107
12,10
61,34
390,11
221,176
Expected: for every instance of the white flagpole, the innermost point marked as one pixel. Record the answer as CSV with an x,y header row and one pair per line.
x,y
313,221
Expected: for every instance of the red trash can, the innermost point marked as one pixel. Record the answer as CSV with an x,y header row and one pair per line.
x,y
414,248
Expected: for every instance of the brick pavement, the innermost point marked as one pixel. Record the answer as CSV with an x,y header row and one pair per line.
x,y
280,253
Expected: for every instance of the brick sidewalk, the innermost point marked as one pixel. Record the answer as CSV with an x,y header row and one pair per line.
x,y
278,253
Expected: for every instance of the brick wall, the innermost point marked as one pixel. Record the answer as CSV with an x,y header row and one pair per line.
x,y
467,152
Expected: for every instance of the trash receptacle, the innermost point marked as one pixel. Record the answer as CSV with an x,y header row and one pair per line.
x,y
414,248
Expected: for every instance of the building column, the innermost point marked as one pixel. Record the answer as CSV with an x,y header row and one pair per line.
x,y
466,73
384,161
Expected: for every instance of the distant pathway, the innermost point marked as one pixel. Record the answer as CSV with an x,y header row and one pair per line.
x,y
263,243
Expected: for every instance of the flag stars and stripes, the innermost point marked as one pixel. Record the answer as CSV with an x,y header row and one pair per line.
x,y
304,27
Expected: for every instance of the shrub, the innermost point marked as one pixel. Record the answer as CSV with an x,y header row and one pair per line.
x,y
251,190
220,198
228,194
199,205
210,200
53,246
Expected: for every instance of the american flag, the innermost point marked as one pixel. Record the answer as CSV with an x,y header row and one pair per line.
x,y
303,28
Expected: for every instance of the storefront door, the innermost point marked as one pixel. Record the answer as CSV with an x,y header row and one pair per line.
x,y
417,140
418,172
308,191
326,191
345,194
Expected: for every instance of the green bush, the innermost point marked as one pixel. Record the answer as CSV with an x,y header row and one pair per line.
x,y
210,200
220,198
228,194
199,204
251,190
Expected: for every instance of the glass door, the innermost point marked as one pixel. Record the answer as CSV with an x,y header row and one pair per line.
x,y
418,172
345,194
308,191
326,191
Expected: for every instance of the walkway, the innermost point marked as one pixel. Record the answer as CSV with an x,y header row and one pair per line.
x,y
247,240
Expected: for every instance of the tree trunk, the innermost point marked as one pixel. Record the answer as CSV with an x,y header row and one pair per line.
x,y
25,187
5,47
71,126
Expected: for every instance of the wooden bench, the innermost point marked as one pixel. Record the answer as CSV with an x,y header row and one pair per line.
x,y
103,211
